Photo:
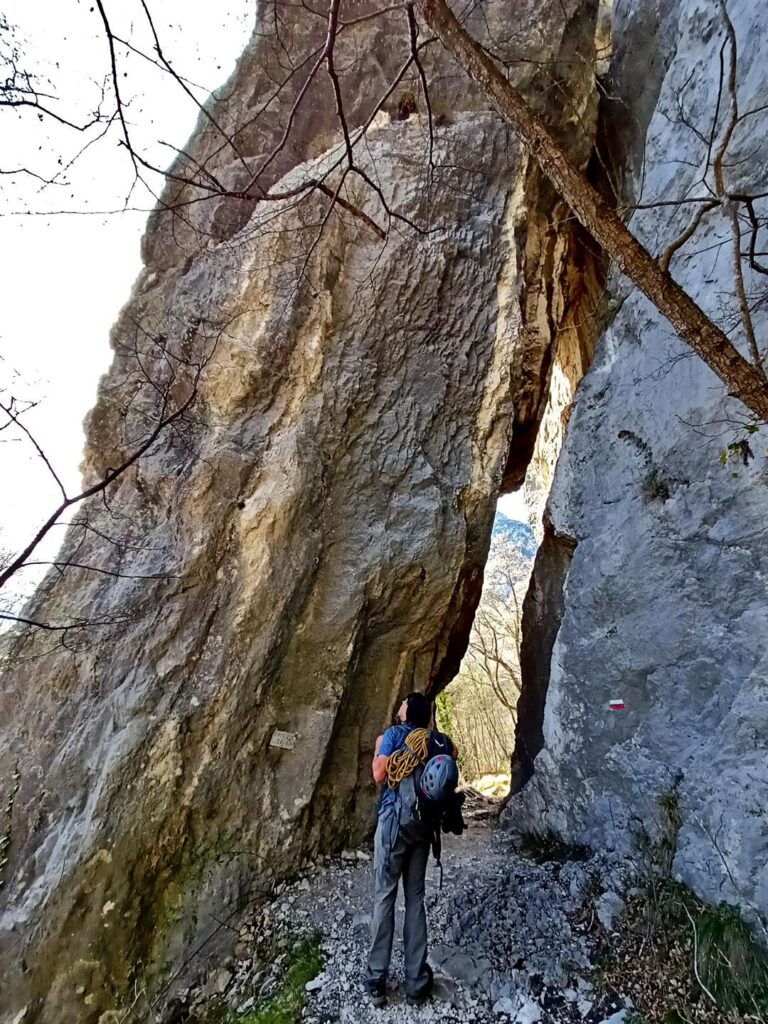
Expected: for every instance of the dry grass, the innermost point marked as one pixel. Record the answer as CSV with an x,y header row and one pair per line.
x,y
684,962
492,785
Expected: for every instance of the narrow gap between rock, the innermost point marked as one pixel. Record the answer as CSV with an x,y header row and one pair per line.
x,y
479,707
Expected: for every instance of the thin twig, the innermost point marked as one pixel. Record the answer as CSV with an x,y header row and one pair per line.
x,y
696,956
8,410
680,241
728,203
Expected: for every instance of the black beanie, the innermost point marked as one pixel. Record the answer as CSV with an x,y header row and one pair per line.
x,y
419,710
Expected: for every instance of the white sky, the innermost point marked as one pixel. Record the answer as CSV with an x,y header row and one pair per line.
x,y
513,505
63,278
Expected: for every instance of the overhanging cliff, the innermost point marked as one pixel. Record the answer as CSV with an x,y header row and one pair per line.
x,y
309,543
305,547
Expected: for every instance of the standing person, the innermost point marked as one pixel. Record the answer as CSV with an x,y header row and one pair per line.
x,y
403,838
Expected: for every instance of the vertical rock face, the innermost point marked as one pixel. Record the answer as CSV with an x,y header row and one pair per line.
x,y
304,547
664,603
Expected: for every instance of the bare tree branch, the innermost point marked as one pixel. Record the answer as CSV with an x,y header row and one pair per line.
x,y
14,418
165,420
755,228
728,203
689,232
709,341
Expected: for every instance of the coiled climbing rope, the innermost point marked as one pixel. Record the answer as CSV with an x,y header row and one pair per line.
x,y
406,760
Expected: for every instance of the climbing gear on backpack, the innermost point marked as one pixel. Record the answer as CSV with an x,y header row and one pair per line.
x,y
439,778
425,775
453,820
438,785
406,760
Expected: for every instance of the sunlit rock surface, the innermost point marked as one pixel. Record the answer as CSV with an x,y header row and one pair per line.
x,y
664,604
306,546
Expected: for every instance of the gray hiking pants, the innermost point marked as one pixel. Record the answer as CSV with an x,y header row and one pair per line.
x,y
407,858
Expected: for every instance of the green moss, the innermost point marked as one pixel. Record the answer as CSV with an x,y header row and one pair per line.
x,y
284,1007
166,897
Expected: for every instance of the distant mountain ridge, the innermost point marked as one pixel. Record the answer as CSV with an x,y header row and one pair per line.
x,y
520,534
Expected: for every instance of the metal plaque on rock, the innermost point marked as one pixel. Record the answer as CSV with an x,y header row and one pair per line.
x,y
283,740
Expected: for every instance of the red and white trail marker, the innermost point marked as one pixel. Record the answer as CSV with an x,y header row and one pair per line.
x,y
616,705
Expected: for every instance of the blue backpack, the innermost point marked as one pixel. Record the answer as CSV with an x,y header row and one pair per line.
x,y
427,799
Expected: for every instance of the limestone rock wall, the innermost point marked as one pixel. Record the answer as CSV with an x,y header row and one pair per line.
x,y
664,602
304,547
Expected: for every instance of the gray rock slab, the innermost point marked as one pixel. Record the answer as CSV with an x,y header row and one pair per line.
x,y
663,587
609,908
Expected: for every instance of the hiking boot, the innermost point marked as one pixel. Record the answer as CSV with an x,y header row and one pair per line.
x,y
377,994
424,994
420,998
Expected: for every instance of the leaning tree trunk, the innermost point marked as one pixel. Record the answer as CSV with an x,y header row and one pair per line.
x,y
743,380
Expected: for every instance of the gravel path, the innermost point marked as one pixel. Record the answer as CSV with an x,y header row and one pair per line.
x,y
510,938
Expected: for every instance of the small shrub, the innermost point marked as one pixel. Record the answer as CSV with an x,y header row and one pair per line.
x,y
444,719
740,450
676,955
656,846
406,105
444,712
670,823
547,846
655,487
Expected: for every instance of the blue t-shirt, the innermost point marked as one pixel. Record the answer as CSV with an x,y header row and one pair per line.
x,y
392,740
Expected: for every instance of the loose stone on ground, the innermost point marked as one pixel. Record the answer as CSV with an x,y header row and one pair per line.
x,y
509,942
